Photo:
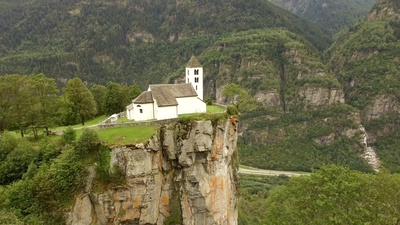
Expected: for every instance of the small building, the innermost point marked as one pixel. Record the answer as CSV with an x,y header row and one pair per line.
x,y
167,101
111,119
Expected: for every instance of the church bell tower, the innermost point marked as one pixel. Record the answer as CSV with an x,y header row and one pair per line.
x,y
194,75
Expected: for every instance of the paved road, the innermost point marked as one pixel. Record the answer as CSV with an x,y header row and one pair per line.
x,y
270,172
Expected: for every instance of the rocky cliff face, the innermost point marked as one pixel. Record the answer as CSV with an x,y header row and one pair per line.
x,y
186,174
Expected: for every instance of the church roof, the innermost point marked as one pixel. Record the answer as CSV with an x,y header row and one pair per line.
x,y
145,97
193,62
129,107
166,94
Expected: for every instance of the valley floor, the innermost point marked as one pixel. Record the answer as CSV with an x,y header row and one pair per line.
x,y
256,171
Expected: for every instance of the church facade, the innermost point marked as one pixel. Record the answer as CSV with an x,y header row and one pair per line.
x,y
168,101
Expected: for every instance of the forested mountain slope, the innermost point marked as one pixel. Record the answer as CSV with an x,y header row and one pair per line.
x,y
365,59
298,119
127,41
333,14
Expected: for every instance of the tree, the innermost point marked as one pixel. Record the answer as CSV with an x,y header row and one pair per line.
x,y
99,94
4,106
44,106
15,93
115,100
81,101
133,92
239,97
336,195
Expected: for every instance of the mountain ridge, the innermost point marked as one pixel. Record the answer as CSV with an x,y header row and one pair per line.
x,y
333,15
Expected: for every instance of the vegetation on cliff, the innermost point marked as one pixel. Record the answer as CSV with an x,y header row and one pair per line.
x,y
43,177
365,60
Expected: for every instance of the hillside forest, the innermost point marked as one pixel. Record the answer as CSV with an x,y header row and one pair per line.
x,y
317,92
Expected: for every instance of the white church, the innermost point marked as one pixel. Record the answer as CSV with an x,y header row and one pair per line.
x,y
167,101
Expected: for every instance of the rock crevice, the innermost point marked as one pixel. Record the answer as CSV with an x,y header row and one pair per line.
x,y
186,174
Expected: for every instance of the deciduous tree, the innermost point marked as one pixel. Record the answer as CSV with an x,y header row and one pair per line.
x,y
115,100
15,96
81,102
99,94
239,97
43,111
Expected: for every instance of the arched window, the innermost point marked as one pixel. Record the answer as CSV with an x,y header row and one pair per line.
x,y
196,72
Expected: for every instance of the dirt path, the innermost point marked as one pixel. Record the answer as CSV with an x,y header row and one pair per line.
x,y
271,172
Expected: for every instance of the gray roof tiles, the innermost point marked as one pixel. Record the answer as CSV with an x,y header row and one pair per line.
x,y
193,63
145,97
166,94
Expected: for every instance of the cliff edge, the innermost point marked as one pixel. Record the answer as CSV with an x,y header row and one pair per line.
x,y
185,174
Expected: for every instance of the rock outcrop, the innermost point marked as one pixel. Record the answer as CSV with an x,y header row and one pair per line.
x,y
320,96
186,174
382,105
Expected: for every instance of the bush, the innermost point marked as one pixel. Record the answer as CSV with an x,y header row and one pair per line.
x,y
208,101
232,110
16,163
88,142
68,136
9,218
8,142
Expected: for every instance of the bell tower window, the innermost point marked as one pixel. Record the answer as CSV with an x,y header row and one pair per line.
x,y
196,72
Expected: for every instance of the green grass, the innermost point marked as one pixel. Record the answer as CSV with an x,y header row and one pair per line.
x,y
124,120
92,122
215,109
246,167
127,135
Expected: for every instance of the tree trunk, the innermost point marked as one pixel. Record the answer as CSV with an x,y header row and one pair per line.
x,y
35,132
83,120
47,131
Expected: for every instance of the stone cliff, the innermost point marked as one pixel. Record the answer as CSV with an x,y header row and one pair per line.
x,y
185,174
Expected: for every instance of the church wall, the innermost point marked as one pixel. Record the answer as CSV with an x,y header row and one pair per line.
x,y
129,114
191,105
167,112
143,111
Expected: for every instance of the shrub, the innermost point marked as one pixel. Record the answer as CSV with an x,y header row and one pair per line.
x,y
232,110
68,136
9,218
88,142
